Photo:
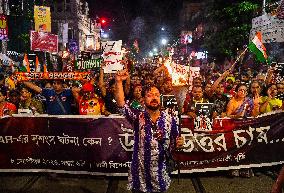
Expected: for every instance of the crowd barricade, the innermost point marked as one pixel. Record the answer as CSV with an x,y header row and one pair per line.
x,y
100,145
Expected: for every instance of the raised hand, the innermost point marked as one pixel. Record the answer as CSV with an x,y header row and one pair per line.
x,y
226,73
122,75
269,91
256,99
103,65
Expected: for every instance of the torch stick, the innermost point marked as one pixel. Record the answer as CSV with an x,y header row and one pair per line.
x,y
233,65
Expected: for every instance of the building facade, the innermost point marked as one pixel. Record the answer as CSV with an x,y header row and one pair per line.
x,y
74,14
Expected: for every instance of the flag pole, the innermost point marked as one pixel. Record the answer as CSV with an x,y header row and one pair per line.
x,y
233,65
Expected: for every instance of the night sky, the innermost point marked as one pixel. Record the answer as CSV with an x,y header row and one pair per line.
x,y
139,19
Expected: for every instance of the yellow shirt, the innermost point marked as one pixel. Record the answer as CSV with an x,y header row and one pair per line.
x,y
272,103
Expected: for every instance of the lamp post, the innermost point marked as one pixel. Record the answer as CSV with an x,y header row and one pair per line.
x,y
155,50
164,41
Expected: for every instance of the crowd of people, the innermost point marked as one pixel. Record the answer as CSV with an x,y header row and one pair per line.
x,y
233,94
140,94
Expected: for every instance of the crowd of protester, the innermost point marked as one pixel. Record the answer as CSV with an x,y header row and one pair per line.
x,y
233,94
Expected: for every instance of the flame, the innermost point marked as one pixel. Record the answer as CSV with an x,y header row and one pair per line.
x,y
177,78
169,67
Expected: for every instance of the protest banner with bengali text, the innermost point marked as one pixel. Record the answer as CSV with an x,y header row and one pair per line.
x,y
112,55
91,64
233,144
101,145
271,28
42,41
26,76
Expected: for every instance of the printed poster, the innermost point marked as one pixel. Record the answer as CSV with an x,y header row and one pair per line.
x,y
42,18
112,56
3,27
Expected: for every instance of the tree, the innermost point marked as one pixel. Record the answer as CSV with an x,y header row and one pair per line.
x,y
20,23
228,26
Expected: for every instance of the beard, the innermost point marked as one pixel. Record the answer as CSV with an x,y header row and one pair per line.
x,y
153,105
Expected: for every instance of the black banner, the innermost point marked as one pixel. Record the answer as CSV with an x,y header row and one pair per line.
x,y
233,143
103,145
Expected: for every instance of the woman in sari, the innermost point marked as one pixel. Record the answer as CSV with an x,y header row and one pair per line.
x,y
242,106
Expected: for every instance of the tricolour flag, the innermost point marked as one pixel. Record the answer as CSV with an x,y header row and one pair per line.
x,y
45,68
26,64
37,65
280,10
256,46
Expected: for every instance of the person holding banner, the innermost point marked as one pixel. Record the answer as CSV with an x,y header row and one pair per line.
x,y
197,97
29,102
241,106
108,92
156,133
58,99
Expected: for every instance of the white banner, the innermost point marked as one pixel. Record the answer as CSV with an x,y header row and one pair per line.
x,y
112,56
271,27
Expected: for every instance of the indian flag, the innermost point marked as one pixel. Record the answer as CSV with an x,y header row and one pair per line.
x,y
256,46
37,65
26,64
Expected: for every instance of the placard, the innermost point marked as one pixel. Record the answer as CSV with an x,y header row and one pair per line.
x,y
42,18
271,28
112,56
42,41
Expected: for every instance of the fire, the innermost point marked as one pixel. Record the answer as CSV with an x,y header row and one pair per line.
x,y
168,65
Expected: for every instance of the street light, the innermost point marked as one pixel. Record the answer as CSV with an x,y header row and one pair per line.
x,y
105,35
163,29
164,41
155,50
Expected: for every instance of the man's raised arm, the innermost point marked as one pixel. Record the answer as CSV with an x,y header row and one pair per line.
x,y
33,87
119,93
